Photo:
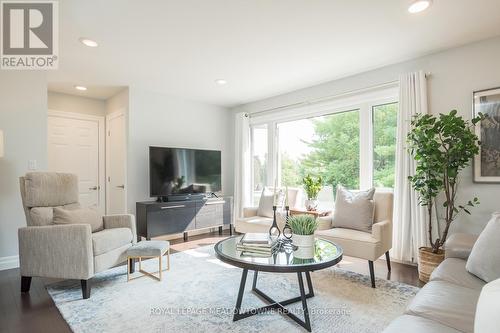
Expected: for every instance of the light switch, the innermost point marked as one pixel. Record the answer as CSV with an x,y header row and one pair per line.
x,y
32,165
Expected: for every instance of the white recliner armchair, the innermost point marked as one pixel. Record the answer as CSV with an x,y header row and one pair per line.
x,y
361,244
251,222
67,251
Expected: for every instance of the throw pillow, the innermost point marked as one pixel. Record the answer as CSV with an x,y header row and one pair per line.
x,y
484,259
354,210
266,202
79,216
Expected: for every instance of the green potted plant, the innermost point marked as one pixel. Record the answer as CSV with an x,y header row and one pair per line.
x,y
442,147
312,187
303,228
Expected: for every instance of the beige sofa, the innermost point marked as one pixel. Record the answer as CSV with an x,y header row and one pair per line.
x,y
361,244
69,251
447,304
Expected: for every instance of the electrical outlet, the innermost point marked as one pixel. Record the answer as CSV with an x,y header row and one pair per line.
x,y
32,165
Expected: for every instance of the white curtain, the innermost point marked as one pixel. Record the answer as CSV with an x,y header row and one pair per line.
x,y
409,223
242,176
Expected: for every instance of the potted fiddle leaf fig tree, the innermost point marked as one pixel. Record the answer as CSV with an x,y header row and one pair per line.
x,y
442,147
312,187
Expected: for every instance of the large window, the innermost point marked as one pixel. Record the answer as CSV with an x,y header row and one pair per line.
x,y
326,146
346,142
384,144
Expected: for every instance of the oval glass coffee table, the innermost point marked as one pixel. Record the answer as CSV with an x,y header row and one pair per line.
x,y
324,254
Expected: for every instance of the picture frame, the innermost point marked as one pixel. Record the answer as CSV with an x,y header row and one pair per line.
x,y
486,166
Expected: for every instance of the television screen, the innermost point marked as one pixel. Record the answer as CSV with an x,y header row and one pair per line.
x,y
183,171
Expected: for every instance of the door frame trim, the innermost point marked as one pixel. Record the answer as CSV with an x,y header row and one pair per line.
x,y
109,117
101,147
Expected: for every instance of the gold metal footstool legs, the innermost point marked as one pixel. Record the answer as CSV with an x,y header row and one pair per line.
x,y
134,253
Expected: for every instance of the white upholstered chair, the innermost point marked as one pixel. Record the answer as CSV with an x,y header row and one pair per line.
x,y
251,222
361,244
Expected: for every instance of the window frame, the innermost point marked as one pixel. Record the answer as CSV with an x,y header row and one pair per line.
x,y
363,102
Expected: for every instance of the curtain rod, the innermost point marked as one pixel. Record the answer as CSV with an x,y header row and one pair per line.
x,y
326,98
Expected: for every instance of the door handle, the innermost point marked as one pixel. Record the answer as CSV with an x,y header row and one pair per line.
x,y
121,186
93,188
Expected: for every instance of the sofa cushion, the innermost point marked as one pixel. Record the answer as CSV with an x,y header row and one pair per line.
x,y
459,245
354,210
453,270
484,259
446,303
486,320
50,189
414,324
45,215
110,239
79,216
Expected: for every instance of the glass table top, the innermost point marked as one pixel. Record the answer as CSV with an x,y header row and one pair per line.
x,y
289,259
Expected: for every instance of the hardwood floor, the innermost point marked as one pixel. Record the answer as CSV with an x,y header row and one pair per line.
x,y
35,312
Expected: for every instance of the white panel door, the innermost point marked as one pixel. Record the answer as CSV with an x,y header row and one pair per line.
x,y
73,146
116,164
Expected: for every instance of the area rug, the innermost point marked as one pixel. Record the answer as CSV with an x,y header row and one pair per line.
x,y
199,292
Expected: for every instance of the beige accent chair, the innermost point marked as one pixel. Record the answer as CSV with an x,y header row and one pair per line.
x,y
251,222
66,251
360,244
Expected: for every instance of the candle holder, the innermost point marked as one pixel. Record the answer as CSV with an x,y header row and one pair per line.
x,y
287,231
274,227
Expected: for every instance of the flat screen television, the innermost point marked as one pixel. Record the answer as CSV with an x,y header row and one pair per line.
x,y
177,171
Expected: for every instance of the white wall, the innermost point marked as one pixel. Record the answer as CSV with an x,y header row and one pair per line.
x,y
456,73
118,102
157,119
23,118
75,104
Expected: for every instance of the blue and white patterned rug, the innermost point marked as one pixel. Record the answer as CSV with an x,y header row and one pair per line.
x,y
199,292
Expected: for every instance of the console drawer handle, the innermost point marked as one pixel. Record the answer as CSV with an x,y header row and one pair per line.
x,y
215,202
170,207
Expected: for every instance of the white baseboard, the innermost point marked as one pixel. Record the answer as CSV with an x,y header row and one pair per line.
x,y
9,262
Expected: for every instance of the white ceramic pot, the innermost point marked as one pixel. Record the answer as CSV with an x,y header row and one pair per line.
x,y
311,204
303,240
304,252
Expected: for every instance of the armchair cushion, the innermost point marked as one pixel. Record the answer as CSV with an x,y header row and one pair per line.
x,y
354,210
121,221
250,211
45,215
79,216
266,202
110,239
354,243
50,189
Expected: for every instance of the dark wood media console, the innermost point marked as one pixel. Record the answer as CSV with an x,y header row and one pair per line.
x,y
164,218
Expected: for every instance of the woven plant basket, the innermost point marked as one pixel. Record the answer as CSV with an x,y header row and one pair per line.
x,y
427,262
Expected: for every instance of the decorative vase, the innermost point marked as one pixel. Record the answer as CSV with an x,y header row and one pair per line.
x,y
427,262
304,252
311,204
303,240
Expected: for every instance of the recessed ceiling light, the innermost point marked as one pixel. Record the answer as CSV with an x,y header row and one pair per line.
x,y
88,42
221,82
81,88
419,6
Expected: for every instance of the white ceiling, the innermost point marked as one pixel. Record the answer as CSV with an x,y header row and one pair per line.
x,y
261,47
96,92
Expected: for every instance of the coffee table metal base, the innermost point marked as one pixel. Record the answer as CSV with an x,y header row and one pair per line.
x,y
306,323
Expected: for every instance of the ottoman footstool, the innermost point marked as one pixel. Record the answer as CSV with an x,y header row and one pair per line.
x,y
148,249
